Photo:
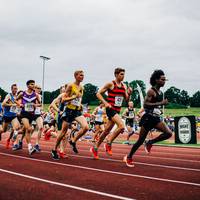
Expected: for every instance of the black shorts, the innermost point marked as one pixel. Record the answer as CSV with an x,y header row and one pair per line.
x,y
98,123
69,115
30,116
8,119
129,122
111,113
149,121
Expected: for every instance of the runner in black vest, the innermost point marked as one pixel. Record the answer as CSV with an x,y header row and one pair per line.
x,y
151,119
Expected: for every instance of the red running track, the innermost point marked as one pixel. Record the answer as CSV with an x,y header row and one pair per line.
x,y
167,173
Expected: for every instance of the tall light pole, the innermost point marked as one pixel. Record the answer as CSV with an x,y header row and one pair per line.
x,y
44,58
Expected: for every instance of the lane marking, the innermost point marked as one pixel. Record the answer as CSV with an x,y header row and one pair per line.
x,y
106,171
142,156
66,185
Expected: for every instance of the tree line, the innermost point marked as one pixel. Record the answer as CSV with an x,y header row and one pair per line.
x,y
178,98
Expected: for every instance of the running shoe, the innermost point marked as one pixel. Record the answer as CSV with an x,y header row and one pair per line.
x,y
54,155
15,147
108,149
32,151
37,148
128,161
147,147
73,145
94,152
47,135
61,154
7,143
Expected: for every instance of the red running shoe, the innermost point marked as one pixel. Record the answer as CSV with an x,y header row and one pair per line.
x,y
108,149
7,143
147,147
94,153
128,161
47,135
61,154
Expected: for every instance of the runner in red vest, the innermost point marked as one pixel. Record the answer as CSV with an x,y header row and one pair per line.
x,y
117,92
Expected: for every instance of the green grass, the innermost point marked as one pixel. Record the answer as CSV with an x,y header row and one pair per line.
x,y
171,112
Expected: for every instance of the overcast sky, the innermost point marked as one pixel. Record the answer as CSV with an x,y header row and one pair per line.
x,y
97,36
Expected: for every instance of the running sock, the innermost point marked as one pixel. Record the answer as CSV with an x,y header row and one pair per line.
x,y
29,146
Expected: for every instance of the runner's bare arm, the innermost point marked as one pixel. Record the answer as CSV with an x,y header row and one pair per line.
x,y
54,104
100,93
7,101
67,96
128,92
38,101
124,114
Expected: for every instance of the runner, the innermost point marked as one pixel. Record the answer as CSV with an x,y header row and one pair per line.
x,y
50,124
59,107
129,116
98,112
29,101
10,114
152,117
39,119
74,93
117,91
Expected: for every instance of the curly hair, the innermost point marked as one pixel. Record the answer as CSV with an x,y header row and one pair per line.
x,y
155,76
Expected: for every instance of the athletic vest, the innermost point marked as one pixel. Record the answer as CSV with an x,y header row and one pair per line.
x,y
131,113
28,100
10,111
157,98
116,96
75,104
38,109
99,115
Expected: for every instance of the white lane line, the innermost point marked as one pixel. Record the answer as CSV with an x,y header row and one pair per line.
x,y
149,156
140,163
142,156
121,146
66,185
105,171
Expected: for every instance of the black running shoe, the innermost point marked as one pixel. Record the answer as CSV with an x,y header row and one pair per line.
x,y
32,151
73,145
54,155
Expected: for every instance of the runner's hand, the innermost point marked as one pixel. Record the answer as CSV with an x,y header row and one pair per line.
x,y
129,90
107,105
164,102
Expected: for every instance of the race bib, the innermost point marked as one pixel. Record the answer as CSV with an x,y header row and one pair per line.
x,y
119,101
76,102
14,109
131,114
29,107
157,111
37,111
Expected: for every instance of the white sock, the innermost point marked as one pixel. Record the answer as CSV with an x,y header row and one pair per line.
x,y
29,146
